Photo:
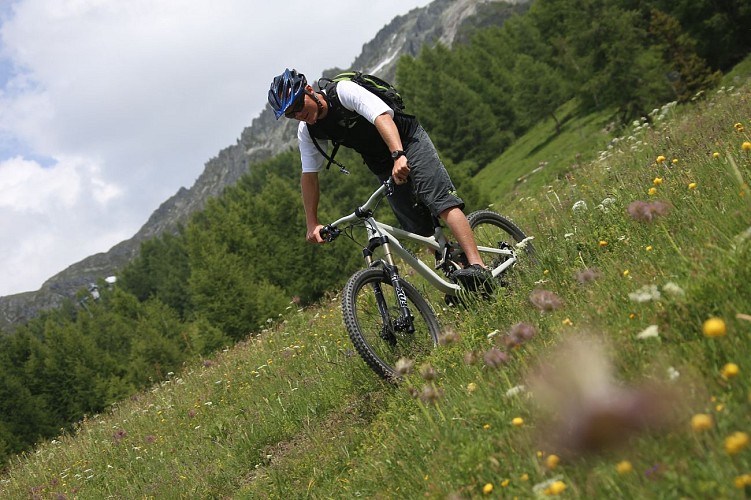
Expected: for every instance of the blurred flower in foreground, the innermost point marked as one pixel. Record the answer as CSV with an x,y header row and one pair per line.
x,y
588,409
624,467
519,334
730,370
588,275
714,327
736,442
494,358
746,146
647,211
701,422
545,300
404,366
645,294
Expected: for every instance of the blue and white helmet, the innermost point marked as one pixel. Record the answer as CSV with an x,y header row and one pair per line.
x,y
285,89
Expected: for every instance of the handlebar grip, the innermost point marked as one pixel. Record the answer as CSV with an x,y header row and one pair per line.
x,y
329,233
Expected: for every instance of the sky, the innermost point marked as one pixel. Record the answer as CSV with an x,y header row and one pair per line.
x,y
108,107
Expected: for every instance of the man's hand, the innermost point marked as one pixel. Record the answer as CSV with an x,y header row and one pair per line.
x,y
400,172
314,234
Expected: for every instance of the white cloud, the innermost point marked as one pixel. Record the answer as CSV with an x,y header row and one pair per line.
x,y
108,107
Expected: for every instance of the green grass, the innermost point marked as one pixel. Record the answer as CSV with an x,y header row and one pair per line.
x,y
293,413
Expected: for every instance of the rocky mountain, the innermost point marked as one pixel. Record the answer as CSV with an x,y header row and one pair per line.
x,y
444,21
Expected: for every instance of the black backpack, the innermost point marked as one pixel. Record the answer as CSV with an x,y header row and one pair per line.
x,y
383,89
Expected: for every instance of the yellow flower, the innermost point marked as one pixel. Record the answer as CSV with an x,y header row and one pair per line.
x,y
738,127
552,461
568,322
719,408
675,161
746,146
715,155
657,181
701,422
730,370
660,159
524,477
692,185
486,426
742,481
505,482
487,489
714,327
624,467
517,422
652,191
736,442
648,248
626,272
471,387
556,488
603,243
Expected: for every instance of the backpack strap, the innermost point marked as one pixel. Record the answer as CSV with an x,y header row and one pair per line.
x,y
330,158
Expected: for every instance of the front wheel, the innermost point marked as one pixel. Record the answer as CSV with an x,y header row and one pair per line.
x,y
376,326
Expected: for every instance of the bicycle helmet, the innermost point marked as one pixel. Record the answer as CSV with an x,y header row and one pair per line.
x,y
285,89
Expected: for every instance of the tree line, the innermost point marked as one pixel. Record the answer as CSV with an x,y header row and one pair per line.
x,y
243,260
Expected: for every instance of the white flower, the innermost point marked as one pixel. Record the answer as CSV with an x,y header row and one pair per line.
x,y
523,243
649,332
493,334
568,235
673,374
540,488
515,390
673,290
579,206
645,294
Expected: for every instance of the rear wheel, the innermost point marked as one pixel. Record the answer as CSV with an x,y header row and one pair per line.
x,y
375,326
493,230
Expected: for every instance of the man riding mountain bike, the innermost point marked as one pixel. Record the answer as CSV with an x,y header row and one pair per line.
x,y
390,142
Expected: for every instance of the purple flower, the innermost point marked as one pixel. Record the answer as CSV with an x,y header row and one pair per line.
x,y
588,275
519,334
494,358
545,300
648,211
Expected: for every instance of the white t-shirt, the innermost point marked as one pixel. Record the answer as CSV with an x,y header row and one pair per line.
x,y
354,98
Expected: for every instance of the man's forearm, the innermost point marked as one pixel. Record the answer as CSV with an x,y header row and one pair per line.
x,y
310,197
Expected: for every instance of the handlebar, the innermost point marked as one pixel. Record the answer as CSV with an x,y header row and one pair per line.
x,y
329,233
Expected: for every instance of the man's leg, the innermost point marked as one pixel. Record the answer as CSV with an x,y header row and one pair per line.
x,y
459,225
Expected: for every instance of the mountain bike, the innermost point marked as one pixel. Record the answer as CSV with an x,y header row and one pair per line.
x,y
386,317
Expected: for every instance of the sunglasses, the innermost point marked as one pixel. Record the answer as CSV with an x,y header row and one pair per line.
x,y
295,107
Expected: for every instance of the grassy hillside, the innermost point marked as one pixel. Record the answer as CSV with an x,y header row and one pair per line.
x,y
640,396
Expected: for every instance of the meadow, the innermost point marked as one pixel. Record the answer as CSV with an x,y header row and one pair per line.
x,y
618,367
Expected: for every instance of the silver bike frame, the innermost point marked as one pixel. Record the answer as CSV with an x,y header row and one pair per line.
x,y
436,242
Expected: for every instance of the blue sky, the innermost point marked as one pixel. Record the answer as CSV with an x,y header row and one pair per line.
x,y
108,107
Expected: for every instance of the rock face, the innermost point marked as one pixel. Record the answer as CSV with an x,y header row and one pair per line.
x,y
444,21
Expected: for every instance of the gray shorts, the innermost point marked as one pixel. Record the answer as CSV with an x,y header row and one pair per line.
x,y
429,190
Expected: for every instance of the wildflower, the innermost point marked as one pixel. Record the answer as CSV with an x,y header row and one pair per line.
x,y
647,211
552,461
603,243
579,206
701,422
624,467
675,161
555,489
730,370
657,181
486,427
487,489
645,294
471,387
404,366
650,332
524,477
495,358
519,334
587,275
746,146
515,390
545,300
505,482
517,421
660,159
430,393
742,481
673,374
738,127
449,337
568,322
428,372
673,290
736,442
692,185
626,272
648,248
470,357
652,191
714,327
